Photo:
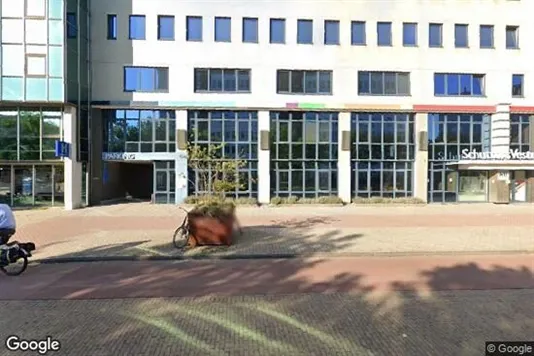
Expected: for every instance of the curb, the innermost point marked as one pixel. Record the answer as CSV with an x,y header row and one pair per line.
x,y
134,258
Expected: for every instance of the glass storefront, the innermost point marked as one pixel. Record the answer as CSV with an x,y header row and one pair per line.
x,y
164,182
520,133
236,134
448,136
304,154
31,185
383,149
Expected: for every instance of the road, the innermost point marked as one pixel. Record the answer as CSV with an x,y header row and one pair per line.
x,y
448,305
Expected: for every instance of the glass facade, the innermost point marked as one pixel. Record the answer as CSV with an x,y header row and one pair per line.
x,y
520,133
32,51
304,154
383,150
30,185
139,130
448,136
164,182
237,133
29,134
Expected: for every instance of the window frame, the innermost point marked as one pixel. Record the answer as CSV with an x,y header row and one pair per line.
x,y
383,74
515,30
306,22
71,28
390,34
438,26
222,20
305,73
35,55
416,37
255,21
363,25
492,28
130,24
155,90
170,18
188,22
336,25
482,78
208,90
459,26
112,27
522,88
282,22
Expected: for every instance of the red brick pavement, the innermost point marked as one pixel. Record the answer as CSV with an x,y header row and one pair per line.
x,y
245,277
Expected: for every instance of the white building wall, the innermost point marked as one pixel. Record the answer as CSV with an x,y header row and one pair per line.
x,y
345,60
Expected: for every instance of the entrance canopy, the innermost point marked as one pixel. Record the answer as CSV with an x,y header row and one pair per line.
x,y
488,165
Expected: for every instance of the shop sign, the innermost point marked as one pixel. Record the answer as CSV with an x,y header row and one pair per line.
x,y
504,156
118,156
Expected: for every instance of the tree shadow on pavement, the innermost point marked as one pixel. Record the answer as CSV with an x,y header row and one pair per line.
x,y
278,307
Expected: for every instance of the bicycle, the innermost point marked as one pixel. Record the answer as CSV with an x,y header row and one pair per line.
x,y
181,234
12,268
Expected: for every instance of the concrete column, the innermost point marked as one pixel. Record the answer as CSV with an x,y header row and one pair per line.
x,y
264,160
343,161
73,168
500,129
420,175
180,165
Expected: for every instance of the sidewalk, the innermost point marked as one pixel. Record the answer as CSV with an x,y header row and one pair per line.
x,y
140,230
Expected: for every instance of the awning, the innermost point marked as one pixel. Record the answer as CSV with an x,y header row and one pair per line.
x,y
489,165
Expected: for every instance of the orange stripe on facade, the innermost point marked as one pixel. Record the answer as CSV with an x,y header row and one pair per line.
x,y
455,108
522,109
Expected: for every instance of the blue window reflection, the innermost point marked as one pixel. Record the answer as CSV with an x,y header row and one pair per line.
x,y
194,28
517,85
146,79
305,31
223,31
435,37
72,25
112,27
453,83
331,32
358,36
486,36
384,33
458,84
166,28
461,36
137,27
250,30
409,34
277,31
439,84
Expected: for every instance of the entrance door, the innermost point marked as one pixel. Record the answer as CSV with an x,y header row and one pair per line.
x,y
518,188
472,186
164,182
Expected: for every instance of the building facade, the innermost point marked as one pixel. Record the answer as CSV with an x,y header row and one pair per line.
x,y
44,99
354,99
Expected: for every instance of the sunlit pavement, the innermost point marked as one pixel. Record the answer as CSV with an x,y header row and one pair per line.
x,y
340,306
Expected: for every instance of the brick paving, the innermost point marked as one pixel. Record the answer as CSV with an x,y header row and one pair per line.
x,y
140,229
445,323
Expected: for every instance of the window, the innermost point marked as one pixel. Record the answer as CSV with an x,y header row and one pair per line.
x,y
137,27
215,80
357,35
35,8
383,83
512,37
461,36
382,154
456,84
520,133
36,65
331,32
72,25
278,31
146,79
305,31
518,85
165,28
194,28
304,151
112,27
304,82
250,30
384,33
435,35
486,36
223,29
409,34
237,133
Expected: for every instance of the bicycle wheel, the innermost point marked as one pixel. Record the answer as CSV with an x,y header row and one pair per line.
x,y
180,237
16,268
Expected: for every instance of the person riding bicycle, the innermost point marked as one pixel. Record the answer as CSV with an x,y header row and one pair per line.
x,y
8,225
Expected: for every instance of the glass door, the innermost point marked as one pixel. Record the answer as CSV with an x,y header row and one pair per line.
x,y
472,186
164,182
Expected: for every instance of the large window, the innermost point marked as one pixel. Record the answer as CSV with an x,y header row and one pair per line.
x,y
520,133
29,134
383,83
236,133
146,79
304,154
459,84
448,136
382,154
304,82
214,80
139,131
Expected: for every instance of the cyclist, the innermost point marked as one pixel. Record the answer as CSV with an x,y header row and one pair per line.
x,y
8,226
